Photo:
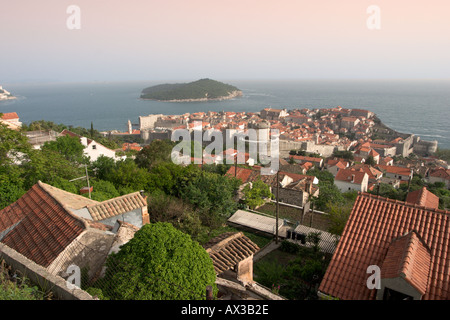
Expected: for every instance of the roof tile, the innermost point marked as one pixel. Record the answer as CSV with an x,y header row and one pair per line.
x,y
373,225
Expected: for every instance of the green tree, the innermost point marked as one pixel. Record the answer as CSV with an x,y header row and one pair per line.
x,y
103,190
328,193
178,212
68,146
213,195
343,154
12,145
370,161
321,175
127,176
103,167
156,152
49,166
338,216
159,263
43,125
11,185
255,194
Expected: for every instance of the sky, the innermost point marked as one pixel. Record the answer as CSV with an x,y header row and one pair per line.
x,y
137,40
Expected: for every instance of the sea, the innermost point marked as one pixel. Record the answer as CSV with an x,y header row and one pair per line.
x,y
421,107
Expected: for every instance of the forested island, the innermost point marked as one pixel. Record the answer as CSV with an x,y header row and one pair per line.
x,y
200,90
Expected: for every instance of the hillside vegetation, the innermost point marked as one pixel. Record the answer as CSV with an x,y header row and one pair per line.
x,y
201,89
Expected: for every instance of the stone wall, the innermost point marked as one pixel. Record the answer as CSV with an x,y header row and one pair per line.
x,y
286,146
422,147
148,122
88,252
294,197
40,276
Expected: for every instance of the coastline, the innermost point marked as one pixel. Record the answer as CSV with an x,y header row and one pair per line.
x,y
232,95
7,98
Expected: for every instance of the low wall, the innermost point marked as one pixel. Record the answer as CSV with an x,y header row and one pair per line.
x,y
40,276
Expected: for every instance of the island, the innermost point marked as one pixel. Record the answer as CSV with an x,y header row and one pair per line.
x,y
5,95
197,91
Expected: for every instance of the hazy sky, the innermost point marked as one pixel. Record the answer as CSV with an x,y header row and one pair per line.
x,y
227,39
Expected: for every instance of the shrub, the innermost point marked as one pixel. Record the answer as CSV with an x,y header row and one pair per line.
x,y
159,263
289,247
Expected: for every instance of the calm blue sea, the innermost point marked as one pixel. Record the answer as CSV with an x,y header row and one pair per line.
x,y
421,107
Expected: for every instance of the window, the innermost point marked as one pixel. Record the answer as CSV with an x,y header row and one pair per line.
x,y
94,147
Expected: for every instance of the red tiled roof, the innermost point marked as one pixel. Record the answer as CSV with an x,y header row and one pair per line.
x,y
408,257
228,249
395,170
10,116
117,206
424,198
245,174
250,175
441,173
373,225
38,226
373,153
371,171
305,158
349,175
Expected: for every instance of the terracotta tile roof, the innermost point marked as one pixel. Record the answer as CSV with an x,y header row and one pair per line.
x,y
371,171
228,249
116,206
408,257
424,198
349,175
305,158
10,116
38,226
373,153
441,173
250,175
395,170
373,225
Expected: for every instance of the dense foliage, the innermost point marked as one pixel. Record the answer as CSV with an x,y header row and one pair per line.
x,y
293,271
159,263
203,88
42,125
13,287
256,194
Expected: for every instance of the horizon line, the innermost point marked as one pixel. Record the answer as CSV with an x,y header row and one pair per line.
x,y
55,81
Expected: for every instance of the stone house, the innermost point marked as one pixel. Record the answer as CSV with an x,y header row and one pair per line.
x,y
294,188
334,165
440,175
232,256
51,227
11,120
273,114
38,138
394,172
351,180
317,162
390,250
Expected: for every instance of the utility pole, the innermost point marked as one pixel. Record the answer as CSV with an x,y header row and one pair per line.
x,y
235,164
278,207
87,179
